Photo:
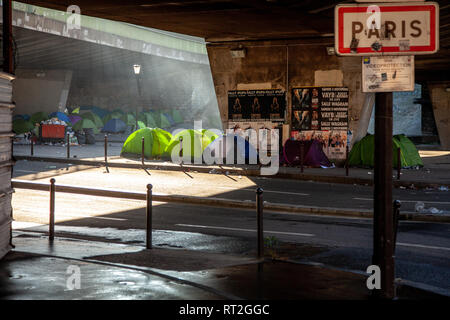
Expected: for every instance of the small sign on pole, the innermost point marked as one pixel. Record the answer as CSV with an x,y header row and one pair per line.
x,y
387,73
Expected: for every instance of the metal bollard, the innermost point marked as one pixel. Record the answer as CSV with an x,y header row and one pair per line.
x,y
260,230
399,164
149,217
68,146
302,147
32,147
346,160
181,149
106,152
51,231
396,215
143,153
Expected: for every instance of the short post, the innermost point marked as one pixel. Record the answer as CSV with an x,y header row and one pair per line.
x,y
149,217
106,152
399,163
302,148
181,149
32,147
68,145
51,232
143,153
259,212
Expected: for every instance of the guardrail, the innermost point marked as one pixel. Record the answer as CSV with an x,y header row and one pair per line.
x,y
147,196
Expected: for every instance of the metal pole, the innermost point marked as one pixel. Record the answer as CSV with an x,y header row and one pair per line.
x,y
302,147
149,216
32,147
396,207
68,146
346,160
51,232
259,212
8,57
399,163
139,92
106,152
383,222
143,152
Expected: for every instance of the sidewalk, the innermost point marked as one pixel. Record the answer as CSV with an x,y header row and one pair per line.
x,y
37,269
434,174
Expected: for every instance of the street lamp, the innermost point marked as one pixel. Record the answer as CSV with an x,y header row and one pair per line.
x,y
137,71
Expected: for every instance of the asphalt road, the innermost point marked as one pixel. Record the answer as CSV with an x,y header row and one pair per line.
x,y
230,187
422,248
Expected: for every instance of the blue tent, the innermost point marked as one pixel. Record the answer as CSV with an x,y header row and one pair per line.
x,y
61,116
229,143
114,126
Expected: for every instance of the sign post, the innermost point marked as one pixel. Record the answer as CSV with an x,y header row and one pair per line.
x,y
386,36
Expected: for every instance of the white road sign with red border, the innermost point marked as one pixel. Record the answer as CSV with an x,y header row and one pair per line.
x,y
387,29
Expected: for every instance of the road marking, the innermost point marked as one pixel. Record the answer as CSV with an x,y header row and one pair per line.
x,y
19,170
268,191
421,246
247,230
410,201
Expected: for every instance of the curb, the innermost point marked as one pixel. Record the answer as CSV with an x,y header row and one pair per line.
x,y
221,202
234,171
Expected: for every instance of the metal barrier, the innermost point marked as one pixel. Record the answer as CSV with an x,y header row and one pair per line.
x,y
148,196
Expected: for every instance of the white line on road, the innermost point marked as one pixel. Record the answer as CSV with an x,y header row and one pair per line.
x,y
268,191
410,201
421,246
247,230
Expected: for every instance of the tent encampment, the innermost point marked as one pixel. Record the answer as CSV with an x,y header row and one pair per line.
x,y
155,142
362,153
313,155
129,119
112,115
114,126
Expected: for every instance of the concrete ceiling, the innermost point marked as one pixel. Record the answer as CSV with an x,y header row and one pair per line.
x,y
241,20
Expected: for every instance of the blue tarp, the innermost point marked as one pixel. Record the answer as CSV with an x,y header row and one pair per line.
x,y
114,126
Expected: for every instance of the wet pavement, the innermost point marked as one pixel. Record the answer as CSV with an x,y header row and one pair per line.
x,y
68,269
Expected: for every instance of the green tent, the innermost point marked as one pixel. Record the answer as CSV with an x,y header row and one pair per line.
x,y
409,156
94,118
22,126
165,123
176,115
194,142
112,115
85,124
141,125
208,134
148,119
118,111
362,153
129,119
155,143
38,117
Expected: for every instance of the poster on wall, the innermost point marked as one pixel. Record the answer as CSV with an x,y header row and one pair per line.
x,y
256,105
321,113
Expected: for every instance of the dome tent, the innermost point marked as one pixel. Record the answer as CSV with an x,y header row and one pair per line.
x,y
61,116
362,153
114,126
229,143
22,126
147,118
94,118
193,143
85,124
129,119
155,143
112,115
